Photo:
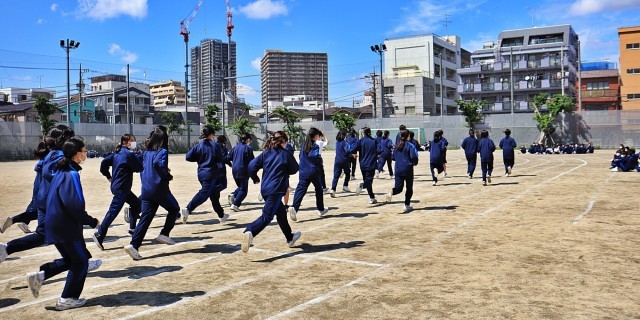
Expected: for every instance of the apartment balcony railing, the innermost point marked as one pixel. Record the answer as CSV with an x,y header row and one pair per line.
x,y
600,93
487,87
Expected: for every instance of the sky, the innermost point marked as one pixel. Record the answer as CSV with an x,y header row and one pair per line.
x,y
145,34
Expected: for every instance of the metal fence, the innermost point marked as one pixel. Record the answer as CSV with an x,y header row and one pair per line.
x,y
605,129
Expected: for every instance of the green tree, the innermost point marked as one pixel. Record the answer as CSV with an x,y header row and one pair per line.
x,y
295,132
173,125
45,109
211,117
546,118
471,111
343,121
242,125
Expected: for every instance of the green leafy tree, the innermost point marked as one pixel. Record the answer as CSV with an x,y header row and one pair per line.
x,y
343,121
295,132
242,126
471,111
45,109
211,117
174,127
546,118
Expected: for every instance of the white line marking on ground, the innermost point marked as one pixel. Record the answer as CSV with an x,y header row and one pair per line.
x,y
594,196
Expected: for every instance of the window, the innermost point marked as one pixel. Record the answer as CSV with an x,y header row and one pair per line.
x,y
387,90
547,38
512,42
633,96
597,85
633,45
633,71
409,89
410,110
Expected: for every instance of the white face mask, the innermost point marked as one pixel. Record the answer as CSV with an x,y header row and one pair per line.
x,y
132,145
82,155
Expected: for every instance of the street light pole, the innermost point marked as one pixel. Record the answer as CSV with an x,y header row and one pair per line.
x,y
380,49
66,46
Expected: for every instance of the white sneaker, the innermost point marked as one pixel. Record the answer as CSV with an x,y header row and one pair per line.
x,y
489,179
373,201
224,218
470,176
333,193
353,177
235,208
292,213
359,188
185,215
69,303
326,190
391,177
24,227
247,238
3,252
231,198
323,212
614,169
133,252
94,265
377,175
408,208
506,174
260,198
165,239
7,223
346,189
389,195
296,236
127,214
484,183
34,281
435,183
509,170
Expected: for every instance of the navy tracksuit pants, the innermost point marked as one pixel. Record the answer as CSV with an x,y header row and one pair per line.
x,y
301,190
241,192
367,178
508,163
118,201
338,168
149,209
211,190
381,161
75,259
272,206
471,165
30,214
435,166
487,168
354,162
399,182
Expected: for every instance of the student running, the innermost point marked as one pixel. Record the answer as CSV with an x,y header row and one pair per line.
x,y
486,147
385,148
341,165
405,156
310,163
240,156
508,145
470,146
436,148
367,149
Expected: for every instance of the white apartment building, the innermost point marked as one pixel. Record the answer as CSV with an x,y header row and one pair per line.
x,y
168,93
18,95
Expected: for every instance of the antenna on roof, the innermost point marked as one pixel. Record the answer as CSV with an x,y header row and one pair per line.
x,y
532,12
446,22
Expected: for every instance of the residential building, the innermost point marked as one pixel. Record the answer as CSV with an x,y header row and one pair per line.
x,y
536,60
23,112
84,112
600,89
19,95
115,81
167,93
209,67
630,67
420,75
294,73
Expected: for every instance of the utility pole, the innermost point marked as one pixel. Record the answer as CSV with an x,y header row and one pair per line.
x,y
375,95
562,69
129,109
323,106
441,88
511,80
579,78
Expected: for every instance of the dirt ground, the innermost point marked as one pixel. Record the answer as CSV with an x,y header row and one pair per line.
x,y
557,240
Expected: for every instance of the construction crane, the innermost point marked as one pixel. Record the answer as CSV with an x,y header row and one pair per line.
x,y
184,31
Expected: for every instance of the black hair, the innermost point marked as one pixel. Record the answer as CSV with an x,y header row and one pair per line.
x,y
221,140
402,127
366,131
507,132
124,139
386,134
41,150
354,132
158,139
245,137
207,131
341,135
471,132
58,136
69,149
437,135
309,142
379,133
412,134
484,134
404,134
276,140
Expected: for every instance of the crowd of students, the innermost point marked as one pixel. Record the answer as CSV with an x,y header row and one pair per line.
x,y
625,160
59,207
537,148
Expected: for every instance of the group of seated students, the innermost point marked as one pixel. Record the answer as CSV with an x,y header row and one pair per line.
x,y
537,148
625,160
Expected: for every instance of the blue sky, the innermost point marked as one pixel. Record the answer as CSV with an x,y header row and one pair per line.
x,y
144,34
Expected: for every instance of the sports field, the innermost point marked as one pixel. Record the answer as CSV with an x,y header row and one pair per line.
x,y
559,239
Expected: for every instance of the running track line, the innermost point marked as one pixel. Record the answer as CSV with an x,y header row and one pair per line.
x,y
594,196
438,239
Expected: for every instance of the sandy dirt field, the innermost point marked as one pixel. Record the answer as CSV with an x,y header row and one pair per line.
x,y
557,240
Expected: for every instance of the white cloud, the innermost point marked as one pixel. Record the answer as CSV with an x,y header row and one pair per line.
x,y
125,55
264,9
22,78
255,63
41,21
54,7
106,9
429,14
131,70
478,42
246,90
585,7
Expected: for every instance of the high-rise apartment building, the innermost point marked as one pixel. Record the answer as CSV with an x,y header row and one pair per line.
x,y
520,65
630,67
294,73
209,67
420,75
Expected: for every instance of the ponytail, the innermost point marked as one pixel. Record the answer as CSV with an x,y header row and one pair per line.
x,y
276,140
41,150
404,134
124,139
70,148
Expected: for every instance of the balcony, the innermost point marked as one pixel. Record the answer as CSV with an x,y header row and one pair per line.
x,y
487,87
600,93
